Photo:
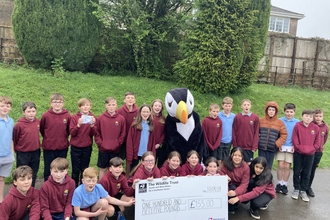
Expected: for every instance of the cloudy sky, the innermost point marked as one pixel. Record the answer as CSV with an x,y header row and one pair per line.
x,y
316,22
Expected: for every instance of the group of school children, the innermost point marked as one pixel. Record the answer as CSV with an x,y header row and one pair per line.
x,y
135,135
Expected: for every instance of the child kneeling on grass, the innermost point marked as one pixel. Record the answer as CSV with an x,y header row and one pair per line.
x,y
92,200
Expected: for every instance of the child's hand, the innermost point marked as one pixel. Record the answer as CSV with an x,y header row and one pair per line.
x,y
164,177
131,202
93,121
79,122
229,179
231,193
233,200
134,183
100,211
150,179
157,146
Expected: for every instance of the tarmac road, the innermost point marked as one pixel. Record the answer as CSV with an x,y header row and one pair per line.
x,y
283,207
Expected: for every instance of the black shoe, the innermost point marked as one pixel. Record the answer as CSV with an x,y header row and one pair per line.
x,y
264,207
285,189
278,188
310,192
254,214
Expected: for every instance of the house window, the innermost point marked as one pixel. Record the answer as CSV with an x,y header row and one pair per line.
x,y
279,24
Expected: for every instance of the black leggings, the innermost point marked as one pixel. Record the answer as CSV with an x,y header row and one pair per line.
x,y
260,201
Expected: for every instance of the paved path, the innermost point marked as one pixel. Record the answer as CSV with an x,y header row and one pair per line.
x,y
283,207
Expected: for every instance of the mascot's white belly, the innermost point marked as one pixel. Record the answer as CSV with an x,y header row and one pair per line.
x,y
186,129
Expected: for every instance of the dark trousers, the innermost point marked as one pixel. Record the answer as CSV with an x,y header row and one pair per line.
x,y
32,159
268,155
316,161
49,156
231,207
302,166
80,158
259,201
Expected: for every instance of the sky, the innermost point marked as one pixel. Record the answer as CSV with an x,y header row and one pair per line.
x,y
317,16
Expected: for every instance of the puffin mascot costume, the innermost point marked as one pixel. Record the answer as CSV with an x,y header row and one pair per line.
x,y
183,130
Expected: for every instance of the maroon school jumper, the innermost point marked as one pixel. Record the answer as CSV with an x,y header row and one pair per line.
x,y
246,131
257,191
212,129
82,136
187,170
15,205
165,170
113,185
54,128
128,115
142,174
306,140
56,197
26,135
158,130
324,132
111,131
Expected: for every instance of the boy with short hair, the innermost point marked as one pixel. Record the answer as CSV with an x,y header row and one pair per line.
x,y
212,128
284,154
6,144
115,183
22,200
26,139
110,134
324,132
54,128
227,118
129,111
306,140
56,193
246,131
91,200
82,130
272,134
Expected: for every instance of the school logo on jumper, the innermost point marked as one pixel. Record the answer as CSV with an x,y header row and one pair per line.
x,y
322,133
312,132
118,185
251,122
28,206
143,188
66,192
65,121
116,123
218,125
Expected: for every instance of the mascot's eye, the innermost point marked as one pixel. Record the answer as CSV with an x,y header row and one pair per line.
x,y
190,102
170,104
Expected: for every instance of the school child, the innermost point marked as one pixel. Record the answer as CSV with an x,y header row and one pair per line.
x,y
115,183
129,111
211,167
158,120
306,140
110,135
56,193
6,144
260,189
171,167
238,173
246,131
54,128
324,132
272,133
227,119
26,139
22,200
212,128
140,137
90,199
284,154
146,169
82,130
192,167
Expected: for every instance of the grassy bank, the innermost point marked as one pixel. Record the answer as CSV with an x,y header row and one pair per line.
x,y
23,84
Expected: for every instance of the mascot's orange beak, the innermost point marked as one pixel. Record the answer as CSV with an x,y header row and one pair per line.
x,y
182,112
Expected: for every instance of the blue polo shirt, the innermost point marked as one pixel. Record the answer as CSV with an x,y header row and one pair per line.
x,y
6,136
83,199
227,126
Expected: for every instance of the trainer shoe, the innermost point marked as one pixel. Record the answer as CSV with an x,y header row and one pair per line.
x,y
278,188
264,207
310,192
254,214
120,216
304,196
295,194
285,189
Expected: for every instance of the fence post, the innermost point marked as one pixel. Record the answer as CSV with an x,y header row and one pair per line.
x,y
316,59
303,74
275,76
294,76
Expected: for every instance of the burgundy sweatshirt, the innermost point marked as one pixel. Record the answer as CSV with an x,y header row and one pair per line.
x,y
82,136
187,170
165,170
257,191
111,132
26,135
212,132
158,130
56,197
142,174
113,185
54,128
324,132
306,140
128,115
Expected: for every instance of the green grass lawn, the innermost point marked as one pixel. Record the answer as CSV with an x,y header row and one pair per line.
x,y
23,84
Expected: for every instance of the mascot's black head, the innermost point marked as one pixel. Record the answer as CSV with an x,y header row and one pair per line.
x,y
179,103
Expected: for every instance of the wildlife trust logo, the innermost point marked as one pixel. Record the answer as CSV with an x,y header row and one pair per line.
x,y
143,188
